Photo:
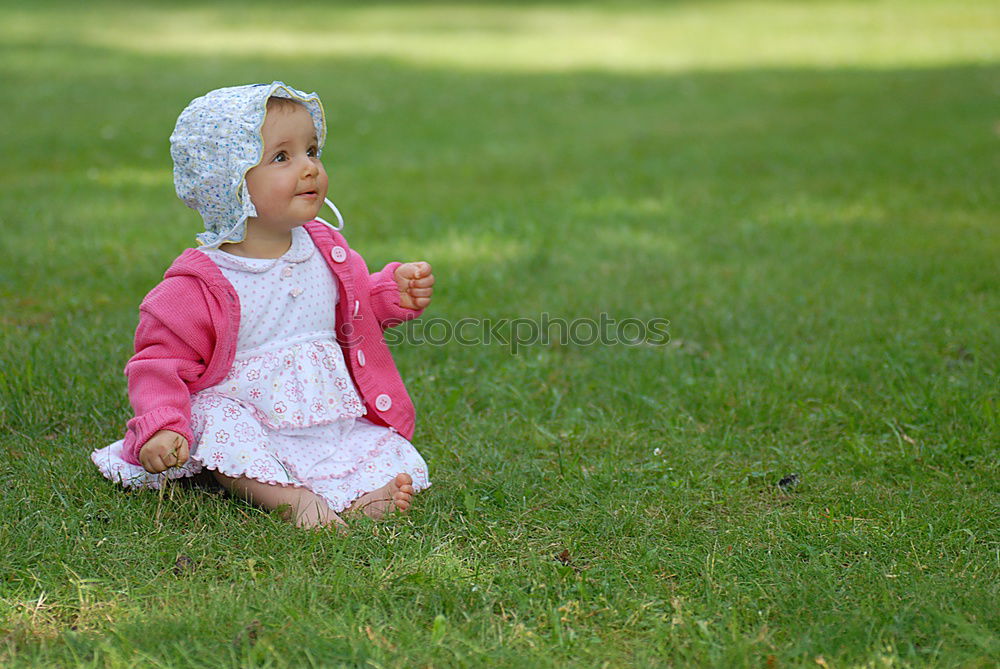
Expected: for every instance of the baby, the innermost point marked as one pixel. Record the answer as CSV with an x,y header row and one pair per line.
x,y
260,355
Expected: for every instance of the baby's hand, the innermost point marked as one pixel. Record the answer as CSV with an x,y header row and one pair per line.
x,y
416,284
164,450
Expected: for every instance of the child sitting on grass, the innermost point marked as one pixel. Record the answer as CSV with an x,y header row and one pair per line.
x,y
260,356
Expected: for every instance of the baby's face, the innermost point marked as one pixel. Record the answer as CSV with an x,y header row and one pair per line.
x,y
289,184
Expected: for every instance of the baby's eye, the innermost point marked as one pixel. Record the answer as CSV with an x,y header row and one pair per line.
x,y
312,152
280,157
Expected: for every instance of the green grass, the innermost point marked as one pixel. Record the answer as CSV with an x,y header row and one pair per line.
x,y
807,191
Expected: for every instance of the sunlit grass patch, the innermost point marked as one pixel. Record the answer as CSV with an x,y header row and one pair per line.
x,y
645,37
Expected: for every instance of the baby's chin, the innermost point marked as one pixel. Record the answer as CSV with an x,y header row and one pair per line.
x,y
309,216
320,198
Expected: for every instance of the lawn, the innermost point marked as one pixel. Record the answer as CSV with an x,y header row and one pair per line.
x,y
808,192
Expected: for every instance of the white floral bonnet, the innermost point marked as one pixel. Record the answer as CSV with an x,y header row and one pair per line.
x,y
216,141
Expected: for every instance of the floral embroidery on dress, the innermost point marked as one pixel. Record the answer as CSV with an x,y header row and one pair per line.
x,y
245,433
288,386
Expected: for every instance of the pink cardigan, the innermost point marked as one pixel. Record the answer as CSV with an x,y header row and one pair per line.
x,y
188,325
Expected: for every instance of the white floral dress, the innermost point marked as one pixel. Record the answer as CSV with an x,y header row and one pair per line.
x,y
288,412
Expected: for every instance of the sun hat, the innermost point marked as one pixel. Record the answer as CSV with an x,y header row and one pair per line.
x,y
216,141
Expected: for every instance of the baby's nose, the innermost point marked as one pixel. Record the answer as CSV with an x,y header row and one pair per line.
x,y
310,167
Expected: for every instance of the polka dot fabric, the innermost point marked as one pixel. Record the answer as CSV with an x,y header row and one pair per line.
x,y
288,412
288,364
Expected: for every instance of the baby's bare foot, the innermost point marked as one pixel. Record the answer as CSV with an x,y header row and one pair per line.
x,y
397,495
317,515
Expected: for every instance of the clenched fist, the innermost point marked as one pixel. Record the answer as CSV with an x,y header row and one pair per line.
x,y
416,284
164,450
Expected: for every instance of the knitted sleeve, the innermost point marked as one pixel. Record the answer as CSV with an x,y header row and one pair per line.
x,y
171,346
